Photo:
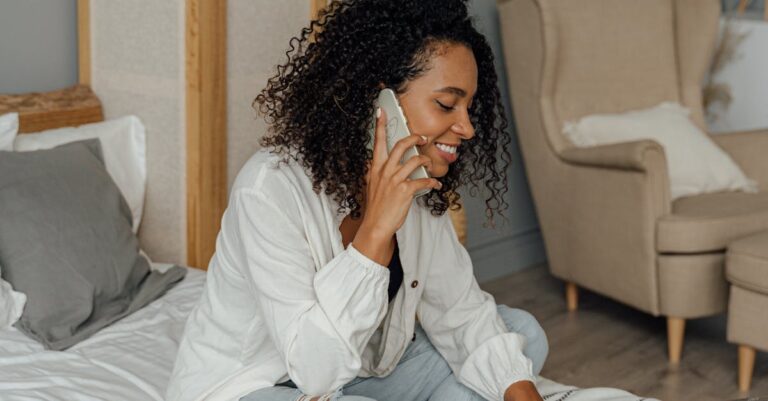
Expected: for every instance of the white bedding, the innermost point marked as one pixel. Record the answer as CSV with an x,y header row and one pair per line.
x,y
132,359
129,360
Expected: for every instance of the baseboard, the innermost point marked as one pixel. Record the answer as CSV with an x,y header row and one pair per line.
x,y
506,255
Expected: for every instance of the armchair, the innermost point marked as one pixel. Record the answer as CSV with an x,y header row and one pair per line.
x,y
606,215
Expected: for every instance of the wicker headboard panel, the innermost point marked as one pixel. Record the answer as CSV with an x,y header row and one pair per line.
x,y
62,108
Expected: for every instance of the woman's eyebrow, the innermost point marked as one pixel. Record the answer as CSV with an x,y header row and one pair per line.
x,y
453,90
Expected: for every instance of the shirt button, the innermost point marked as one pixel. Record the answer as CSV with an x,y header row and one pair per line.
x,y
414,283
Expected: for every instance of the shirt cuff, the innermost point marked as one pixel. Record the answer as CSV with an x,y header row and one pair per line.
x,y
362,259
495,365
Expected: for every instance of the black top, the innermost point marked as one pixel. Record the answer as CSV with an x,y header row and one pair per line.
x,y
395,274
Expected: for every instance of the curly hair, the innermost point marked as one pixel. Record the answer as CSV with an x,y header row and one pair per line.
x,y
319,104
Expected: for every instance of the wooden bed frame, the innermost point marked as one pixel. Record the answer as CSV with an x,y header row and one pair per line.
x,y
206,116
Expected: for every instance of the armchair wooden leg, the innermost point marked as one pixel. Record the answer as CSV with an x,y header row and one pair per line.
x,y
746,365
571,296
675,335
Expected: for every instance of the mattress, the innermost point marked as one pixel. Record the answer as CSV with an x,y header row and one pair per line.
x,y
132,359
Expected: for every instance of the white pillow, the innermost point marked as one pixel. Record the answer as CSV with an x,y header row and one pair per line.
x,y
696,164
11,304
123,142
9,127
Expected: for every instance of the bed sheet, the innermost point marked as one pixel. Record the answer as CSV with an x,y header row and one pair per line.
x,y
132,359
129,360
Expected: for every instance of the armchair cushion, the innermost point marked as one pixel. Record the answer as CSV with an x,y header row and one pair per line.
x,y
696,164
747,262
708,223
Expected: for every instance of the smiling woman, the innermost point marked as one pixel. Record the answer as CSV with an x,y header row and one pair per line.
x,y
325,258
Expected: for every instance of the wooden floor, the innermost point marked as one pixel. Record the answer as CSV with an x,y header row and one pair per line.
x,y
607,344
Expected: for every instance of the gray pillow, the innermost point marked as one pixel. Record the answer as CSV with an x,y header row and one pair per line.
x,y
66,242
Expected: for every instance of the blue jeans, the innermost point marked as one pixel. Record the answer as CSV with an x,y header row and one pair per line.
x,y
421,374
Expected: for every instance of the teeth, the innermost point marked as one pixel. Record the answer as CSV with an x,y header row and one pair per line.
x,y
446,148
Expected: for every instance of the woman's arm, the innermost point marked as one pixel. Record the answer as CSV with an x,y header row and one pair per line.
x,y
320,320
463,323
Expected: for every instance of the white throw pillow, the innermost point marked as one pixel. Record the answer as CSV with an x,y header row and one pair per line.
x,y
123,142
696,164
9,127
11,304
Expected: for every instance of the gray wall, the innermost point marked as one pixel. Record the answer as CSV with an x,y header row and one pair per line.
x,y
38,45
38,52
517,244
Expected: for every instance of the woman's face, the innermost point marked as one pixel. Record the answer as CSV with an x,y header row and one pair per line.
x,y
437,104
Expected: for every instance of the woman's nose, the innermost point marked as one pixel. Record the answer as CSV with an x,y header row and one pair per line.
x,y
464,127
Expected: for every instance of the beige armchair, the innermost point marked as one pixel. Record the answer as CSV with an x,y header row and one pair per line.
x,y
605,212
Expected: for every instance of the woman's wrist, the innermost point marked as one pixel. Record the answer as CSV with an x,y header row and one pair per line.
x,y
374,244
523,390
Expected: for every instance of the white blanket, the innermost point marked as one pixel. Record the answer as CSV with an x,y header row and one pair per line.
x,y
132,359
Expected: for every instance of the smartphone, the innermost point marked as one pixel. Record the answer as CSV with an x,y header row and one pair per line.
x,y
397,128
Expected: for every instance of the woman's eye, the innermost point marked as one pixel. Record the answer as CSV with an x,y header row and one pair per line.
x,y
443,106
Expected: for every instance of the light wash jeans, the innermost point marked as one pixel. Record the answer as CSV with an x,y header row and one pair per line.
x,y
422,374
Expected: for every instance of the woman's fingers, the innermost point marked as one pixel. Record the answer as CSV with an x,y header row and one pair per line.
x,y
380,153
412,164
422,183
393,163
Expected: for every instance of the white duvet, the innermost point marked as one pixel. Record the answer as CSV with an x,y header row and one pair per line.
x,y
132,359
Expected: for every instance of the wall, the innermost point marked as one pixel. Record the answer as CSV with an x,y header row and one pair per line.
x,y
38,45
138,68
517,244
747,77
257,37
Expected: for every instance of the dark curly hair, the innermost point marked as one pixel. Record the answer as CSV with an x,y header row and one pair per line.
x,y
320,103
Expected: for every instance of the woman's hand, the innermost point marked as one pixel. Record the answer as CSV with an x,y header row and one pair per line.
x,y
389,193
523,390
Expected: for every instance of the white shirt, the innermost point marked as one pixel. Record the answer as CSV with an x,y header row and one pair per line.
x,y
285,300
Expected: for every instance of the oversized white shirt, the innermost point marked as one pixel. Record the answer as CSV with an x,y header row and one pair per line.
x,y
285,300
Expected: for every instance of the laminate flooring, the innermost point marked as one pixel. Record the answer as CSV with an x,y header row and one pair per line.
x,y
608,344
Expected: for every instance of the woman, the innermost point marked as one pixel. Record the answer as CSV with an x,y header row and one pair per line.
x,y
325,259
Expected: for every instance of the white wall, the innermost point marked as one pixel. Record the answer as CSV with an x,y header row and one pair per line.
x,y
257,37
747,77
138,68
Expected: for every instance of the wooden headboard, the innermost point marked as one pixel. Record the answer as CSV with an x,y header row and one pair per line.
x,y
62,108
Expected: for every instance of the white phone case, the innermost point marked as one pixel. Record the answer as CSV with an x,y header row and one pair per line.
x,y
397,128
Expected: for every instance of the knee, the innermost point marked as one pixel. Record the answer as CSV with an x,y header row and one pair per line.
x,y
520,321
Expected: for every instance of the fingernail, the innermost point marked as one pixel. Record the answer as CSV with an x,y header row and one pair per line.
x,y
439,185
424,138
378,112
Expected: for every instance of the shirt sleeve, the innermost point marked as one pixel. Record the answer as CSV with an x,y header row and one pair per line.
x,y
319,319
463,324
